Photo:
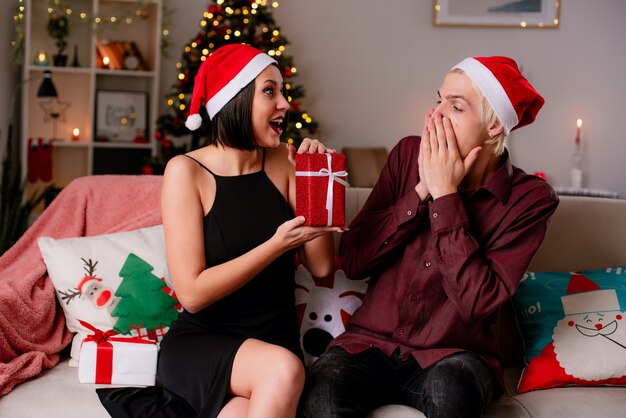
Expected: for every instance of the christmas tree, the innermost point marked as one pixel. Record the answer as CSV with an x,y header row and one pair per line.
x,y
143,303
226,22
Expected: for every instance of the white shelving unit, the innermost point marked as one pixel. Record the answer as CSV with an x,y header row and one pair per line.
x,y
79,87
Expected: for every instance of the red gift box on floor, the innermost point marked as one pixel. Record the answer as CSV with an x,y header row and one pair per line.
x,y
321,188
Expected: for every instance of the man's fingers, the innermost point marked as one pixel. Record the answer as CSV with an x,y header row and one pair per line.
x,y
452,145
441,133
471,159
432,136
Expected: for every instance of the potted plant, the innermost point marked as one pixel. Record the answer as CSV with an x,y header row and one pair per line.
x,y
58,28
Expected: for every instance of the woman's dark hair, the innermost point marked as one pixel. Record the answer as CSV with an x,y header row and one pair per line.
x,y
232,126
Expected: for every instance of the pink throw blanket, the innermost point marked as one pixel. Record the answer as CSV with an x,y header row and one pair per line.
x,y
32,324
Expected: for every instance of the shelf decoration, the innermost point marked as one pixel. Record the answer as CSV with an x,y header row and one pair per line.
x,y
120,55
54,110
59,30
41,58
62,9
75,61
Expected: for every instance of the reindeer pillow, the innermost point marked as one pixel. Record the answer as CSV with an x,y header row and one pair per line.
x,y
114,281
324,306
574,328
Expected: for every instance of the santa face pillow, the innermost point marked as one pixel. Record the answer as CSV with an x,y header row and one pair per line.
x,y
574,328
324,306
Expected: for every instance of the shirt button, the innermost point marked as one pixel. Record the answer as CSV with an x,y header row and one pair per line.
x,y
413,298
409,213
401,331
435,215
386,242
427,264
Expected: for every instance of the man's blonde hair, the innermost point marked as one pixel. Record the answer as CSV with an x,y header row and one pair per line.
x,y
487,116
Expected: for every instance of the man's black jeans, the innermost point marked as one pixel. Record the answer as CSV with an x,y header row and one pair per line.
x,y
344,385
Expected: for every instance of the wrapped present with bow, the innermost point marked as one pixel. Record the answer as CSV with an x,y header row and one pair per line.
x,y
321,188
116,360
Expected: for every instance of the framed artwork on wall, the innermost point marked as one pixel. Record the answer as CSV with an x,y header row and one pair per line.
x,y
121,116
497,13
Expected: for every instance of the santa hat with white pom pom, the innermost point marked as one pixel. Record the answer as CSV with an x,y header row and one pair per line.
x,y
221,76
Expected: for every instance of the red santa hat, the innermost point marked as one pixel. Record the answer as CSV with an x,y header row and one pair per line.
x,y
514,100
585,296
221,76
84,281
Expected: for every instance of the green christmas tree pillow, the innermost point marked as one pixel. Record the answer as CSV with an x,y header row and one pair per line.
x,y
114,281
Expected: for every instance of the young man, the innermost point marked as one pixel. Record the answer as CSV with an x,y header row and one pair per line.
x,y
446,235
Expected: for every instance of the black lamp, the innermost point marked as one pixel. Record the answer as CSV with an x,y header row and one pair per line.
x,y
47,89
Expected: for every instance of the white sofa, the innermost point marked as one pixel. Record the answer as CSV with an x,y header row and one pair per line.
x,y
586,233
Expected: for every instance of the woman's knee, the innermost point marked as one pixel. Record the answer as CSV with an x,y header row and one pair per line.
x,y
262,367
286,370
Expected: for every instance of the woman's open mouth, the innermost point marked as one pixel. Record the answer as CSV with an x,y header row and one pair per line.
x,y
277,125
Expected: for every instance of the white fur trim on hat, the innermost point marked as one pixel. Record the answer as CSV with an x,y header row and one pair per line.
x,y
492,90
193,122
241,80
589,302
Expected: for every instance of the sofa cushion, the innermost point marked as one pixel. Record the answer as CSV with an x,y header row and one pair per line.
x,y
324,306
113,281
574,328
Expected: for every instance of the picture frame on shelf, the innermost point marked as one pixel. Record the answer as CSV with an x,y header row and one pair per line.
x,y
121,116
497,13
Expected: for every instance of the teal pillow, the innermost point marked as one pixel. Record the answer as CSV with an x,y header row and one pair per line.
x,y
573,327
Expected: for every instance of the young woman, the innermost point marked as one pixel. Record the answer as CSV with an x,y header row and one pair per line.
x,y
231,238
230,232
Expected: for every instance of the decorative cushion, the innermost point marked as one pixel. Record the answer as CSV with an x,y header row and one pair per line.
x,y
114,281
324,306
574,328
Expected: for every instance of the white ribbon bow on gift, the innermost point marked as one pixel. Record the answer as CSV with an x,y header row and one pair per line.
x,y
332,177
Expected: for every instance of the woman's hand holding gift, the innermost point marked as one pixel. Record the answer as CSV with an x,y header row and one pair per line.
x,y
308,146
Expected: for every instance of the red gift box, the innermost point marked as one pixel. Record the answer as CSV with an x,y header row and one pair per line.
x,y
320,188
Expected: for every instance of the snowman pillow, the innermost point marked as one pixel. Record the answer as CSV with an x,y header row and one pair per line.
x,y
115,281
574,328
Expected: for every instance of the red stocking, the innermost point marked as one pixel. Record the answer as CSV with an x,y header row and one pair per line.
x,y
45,160
33,160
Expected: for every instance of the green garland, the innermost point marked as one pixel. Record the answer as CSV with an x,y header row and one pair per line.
x,y
63,10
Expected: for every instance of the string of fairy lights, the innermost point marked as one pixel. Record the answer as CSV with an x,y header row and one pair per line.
x,y
120,15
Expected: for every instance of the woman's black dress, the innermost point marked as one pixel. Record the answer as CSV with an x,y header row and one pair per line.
x,y
197,353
